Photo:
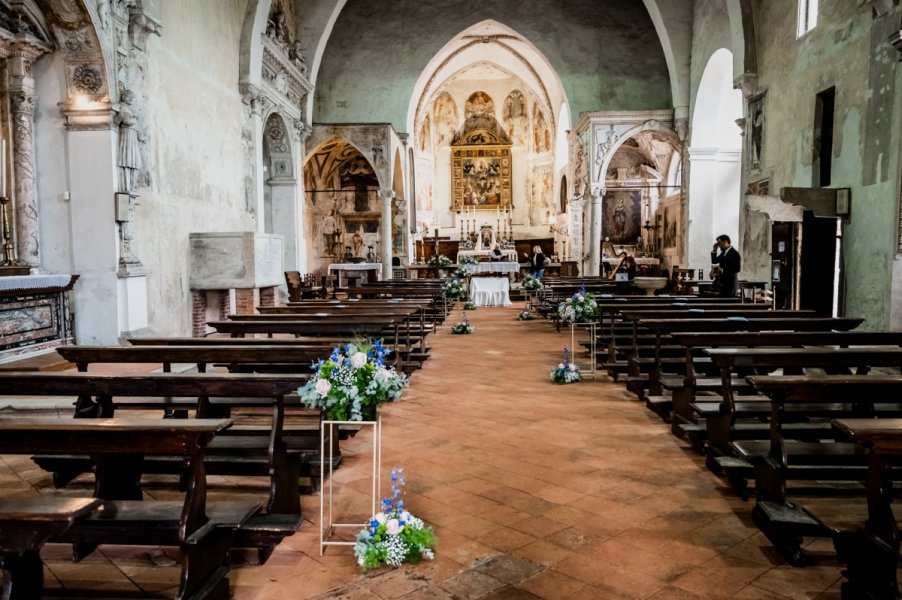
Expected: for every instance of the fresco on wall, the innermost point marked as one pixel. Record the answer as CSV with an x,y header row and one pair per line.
x,y
541,203
540,131
424,137
516,118
479,104
621,216
671,225
756,133
445,118
423,179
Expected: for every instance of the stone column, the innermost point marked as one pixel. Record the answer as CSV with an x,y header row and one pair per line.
x,y
596,194
576,212
25,197
387,196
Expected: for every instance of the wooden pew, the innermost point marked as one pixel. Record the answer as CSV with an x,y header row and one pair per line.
x,y
266,451
781,460
871,552
202,531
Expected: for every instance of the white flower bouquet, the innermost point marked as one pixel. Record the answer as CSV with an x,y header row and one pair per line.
x,y
454,288
440,261
566,371
463,327
466,260
525,315
394,536
352,382
579,308
531,283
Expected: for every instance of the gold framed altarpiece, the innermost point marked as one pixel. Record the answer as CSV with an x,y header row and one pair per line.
x,y
481,176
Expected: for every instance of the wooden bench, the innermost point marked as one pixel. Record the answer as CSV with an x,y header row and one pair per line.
x,y
202,531
278,452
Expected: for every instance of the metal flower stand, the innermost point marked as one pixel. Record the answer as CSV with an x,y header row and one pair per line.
x,y
327,524
591,326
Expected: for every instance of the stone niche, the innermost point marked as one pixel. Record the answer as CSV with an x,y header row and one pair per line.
x,y
235,260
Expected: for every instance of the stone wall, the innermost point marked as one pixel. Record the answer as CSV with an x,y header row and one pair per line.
x,y
848,49
195,128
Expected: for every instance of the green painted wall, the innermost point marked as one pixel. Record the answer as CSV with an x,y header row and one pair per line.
x,y
607,55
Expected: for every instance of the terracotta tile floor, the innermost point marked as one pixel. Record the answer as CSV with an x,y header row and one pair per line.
x,y
534,491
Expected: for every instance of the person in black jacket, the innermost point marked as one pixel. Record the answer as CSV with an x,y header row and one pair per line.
x,y
537,262
726,266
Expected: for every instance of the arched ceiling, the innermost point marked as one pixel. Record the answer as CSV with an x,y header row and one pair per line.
x,y
368,60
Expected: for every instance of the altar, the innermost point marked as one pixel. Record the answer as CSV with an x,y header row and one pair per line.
x,y
490,291
34,313
366,272
493,267
507,255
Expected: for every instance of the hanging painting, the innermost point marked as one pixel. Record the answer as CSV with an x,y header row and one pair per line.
x,y
621,216
481,176
671,225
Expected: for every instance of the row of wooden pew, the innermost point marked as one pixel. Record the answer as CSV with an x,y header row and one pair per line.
x,y
801,407
245,420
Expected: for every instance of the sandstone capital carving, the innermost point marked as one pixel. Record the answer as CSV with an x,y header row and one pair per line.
x,y
747,83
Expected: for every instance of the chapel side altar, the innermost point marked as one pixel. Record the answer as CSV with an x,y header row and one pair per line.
x,y
34,313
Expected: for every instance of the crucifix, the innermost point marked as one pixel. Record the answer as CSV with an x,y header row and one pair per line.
x,y
434,240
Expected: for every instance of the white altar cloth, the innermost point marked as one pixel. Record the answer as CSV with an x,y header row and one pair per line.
x,y
490,291
33,282
509,255
493,267
347,269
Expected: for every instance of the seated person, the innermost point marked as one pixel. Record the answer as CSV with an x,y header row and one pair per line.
x,y
496,253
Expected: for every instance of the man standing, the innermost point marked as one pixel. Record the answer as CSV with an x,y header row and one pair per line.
x,y
726,266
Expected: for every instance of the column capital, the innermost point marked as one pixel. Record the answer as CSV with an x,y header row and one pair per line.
x,y
387,194
95,117
597,191
747,83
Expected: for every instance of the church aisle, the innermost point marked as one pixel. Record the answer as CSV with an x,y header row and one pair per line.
x,y
537,490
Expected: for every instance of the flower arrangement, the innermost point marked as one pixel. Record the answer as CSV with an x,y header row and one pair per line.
x,y
440,261
394,536
467,244
580,308
460,272
525,315
352,382
463,327
566,371
531,283
453,288
466,260
469,306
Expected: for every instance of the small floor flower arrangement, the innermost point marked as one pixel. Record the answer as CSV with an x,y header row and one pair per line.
x,y
579,308
531,284
469,306
463,327
394,536
453,289
525,315
566,371
352,382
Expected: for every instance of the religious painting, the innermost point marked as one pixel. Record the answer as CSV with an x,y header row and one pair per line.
x,y
755,133
516,118
621,216
445,119
541,133
479,104
481,176
541,189
424,138
671,225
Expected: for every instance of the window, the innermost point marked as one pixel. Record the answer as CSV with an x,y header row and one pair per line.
x,y
807,16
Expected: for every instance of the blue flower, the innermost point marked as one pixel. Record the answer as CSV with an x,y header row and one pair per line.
x,y
400,503
374,524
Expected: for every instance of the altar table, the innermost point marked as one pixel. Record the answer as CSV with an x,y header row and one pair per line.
x,y
366,271
493,267
490,291
508,254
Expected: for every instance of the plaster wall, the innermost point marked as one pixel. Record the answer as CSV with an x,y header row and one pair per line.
x,y
710,32
849,50
194,120
607,59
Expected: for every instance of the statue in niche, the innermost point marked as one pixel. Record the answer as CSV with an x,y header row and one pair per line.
x,y
129,155
103,14
330,228
357,240
275,28
296,55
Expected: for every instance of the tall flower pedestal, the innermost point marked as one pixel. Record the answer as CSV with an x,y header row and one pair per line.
x,y
327,523
591,327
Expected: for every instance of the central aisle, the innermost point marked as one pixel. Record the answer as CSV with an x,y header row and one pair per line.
x,y
537,490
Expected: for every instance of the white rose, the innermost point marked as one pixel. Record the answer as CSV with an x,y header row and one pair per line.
x,y
323,386
572,367
358,360
406,516
580,298
380,517
393,527
560,365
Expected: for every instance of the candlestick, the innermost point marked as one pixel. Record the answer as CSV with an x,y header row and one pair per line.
x,y
3,169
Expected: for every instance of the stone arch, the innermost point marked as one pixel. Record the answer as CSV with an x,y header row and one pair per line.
x,y
654,126
282,208
673,24
715,158
339,139
250,58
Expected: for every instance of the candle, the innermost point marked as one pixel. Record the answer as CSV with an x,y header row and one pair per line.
x,y
3,169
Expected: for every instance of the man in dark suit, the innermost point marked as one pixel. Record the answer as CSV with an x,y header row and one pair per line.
x,y
726,266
